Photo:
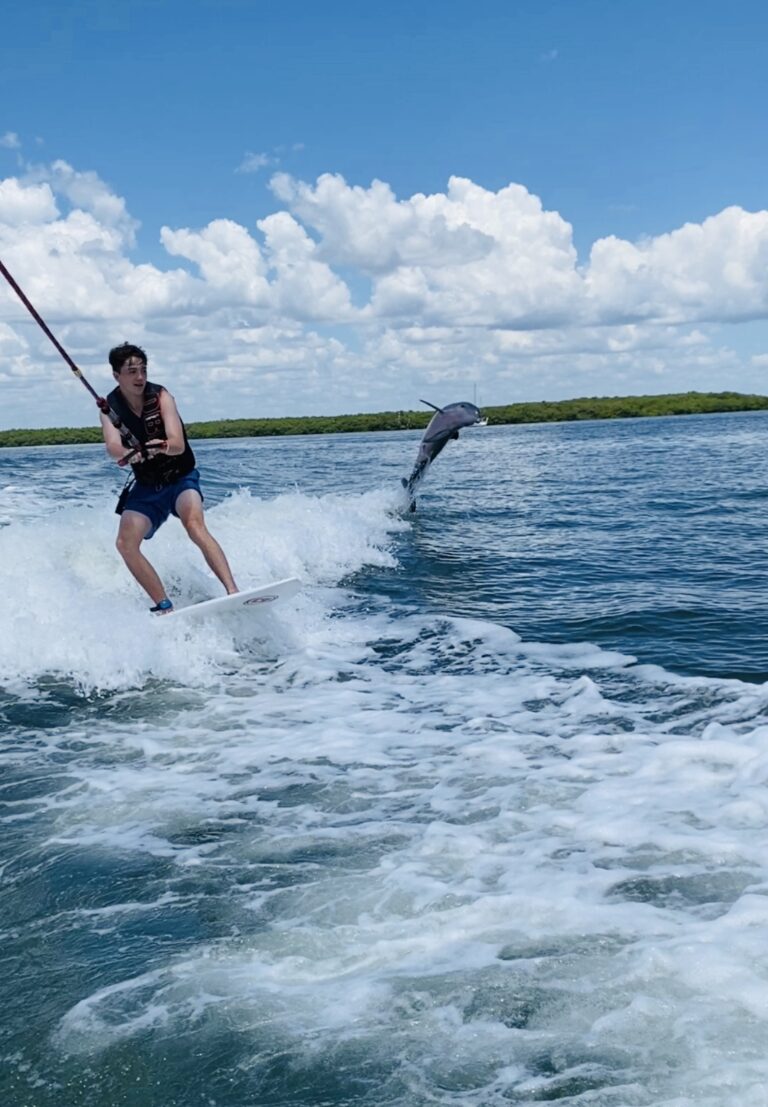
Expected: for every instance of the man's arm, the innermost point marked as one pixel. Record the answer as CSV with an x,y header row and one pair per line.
x,y
112,441
174,442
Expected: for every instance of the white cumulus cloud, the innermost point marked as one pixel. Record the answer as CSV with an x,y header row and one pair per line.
x,y
20,203
349,298
305,287
466,256
229,259
87,192
716,270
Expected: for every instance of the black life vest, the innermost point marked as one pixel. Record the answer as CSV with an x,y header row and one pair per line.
x,y
161,470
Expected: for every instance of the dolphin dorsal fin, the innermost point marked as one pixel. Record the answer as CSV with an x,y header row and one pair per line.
x,y
430,405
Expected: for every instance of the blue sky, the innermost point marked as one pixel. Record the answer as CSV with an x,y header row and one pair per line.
x,y
624,119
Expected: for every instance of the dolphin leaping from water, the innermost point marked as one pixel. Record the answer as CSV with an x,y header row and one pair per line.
x,y
444,425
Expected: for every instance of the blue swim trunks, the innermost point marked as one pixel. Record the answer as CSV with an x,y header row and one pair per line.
x,y
158,503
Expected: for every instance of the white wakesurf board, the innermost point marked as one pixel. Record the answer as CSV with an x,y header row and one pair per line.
x,y
252,599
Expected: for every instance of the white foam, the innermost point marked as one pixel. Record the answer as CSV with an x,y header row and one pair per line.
x,y
493,866
69,608
490,836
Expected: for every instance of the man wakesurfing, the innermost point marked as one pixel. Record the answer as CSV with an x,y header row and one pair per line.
x,y
165,480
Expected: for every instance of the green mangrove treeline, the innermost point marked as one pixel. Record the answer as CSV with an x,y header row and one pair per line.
x,y
544,411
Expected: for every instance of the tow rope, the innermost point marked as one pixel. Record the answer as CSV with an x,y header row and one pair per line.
x,y
101,402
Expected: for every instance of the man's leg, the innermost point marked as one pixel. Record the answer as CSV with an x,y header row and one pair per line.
x,y
189,508
131,533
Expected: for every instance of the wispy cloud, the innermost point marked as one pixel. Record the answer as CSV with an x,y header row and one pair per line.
x,y
549,56
253,163
10,141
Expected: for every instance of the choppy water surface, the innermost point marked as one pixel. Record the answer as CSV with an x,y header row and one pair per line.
x,y
480,818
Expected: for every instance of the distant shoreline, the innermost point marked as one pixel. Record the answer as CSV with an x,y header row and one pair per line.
x,y
552,411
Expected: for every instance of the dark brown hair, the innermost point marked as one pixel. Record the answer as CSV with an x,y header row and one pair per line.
x,y
118,355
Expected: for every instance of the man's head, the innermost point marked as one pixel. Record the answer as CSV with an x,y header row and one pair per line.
x,y
119,355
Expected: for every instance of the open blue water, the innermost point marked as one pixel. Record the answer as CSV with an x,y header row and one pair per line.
x,y
479,819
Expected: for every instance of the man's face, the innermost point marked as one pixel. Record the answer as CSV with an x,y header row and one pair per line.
x,y
132,377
